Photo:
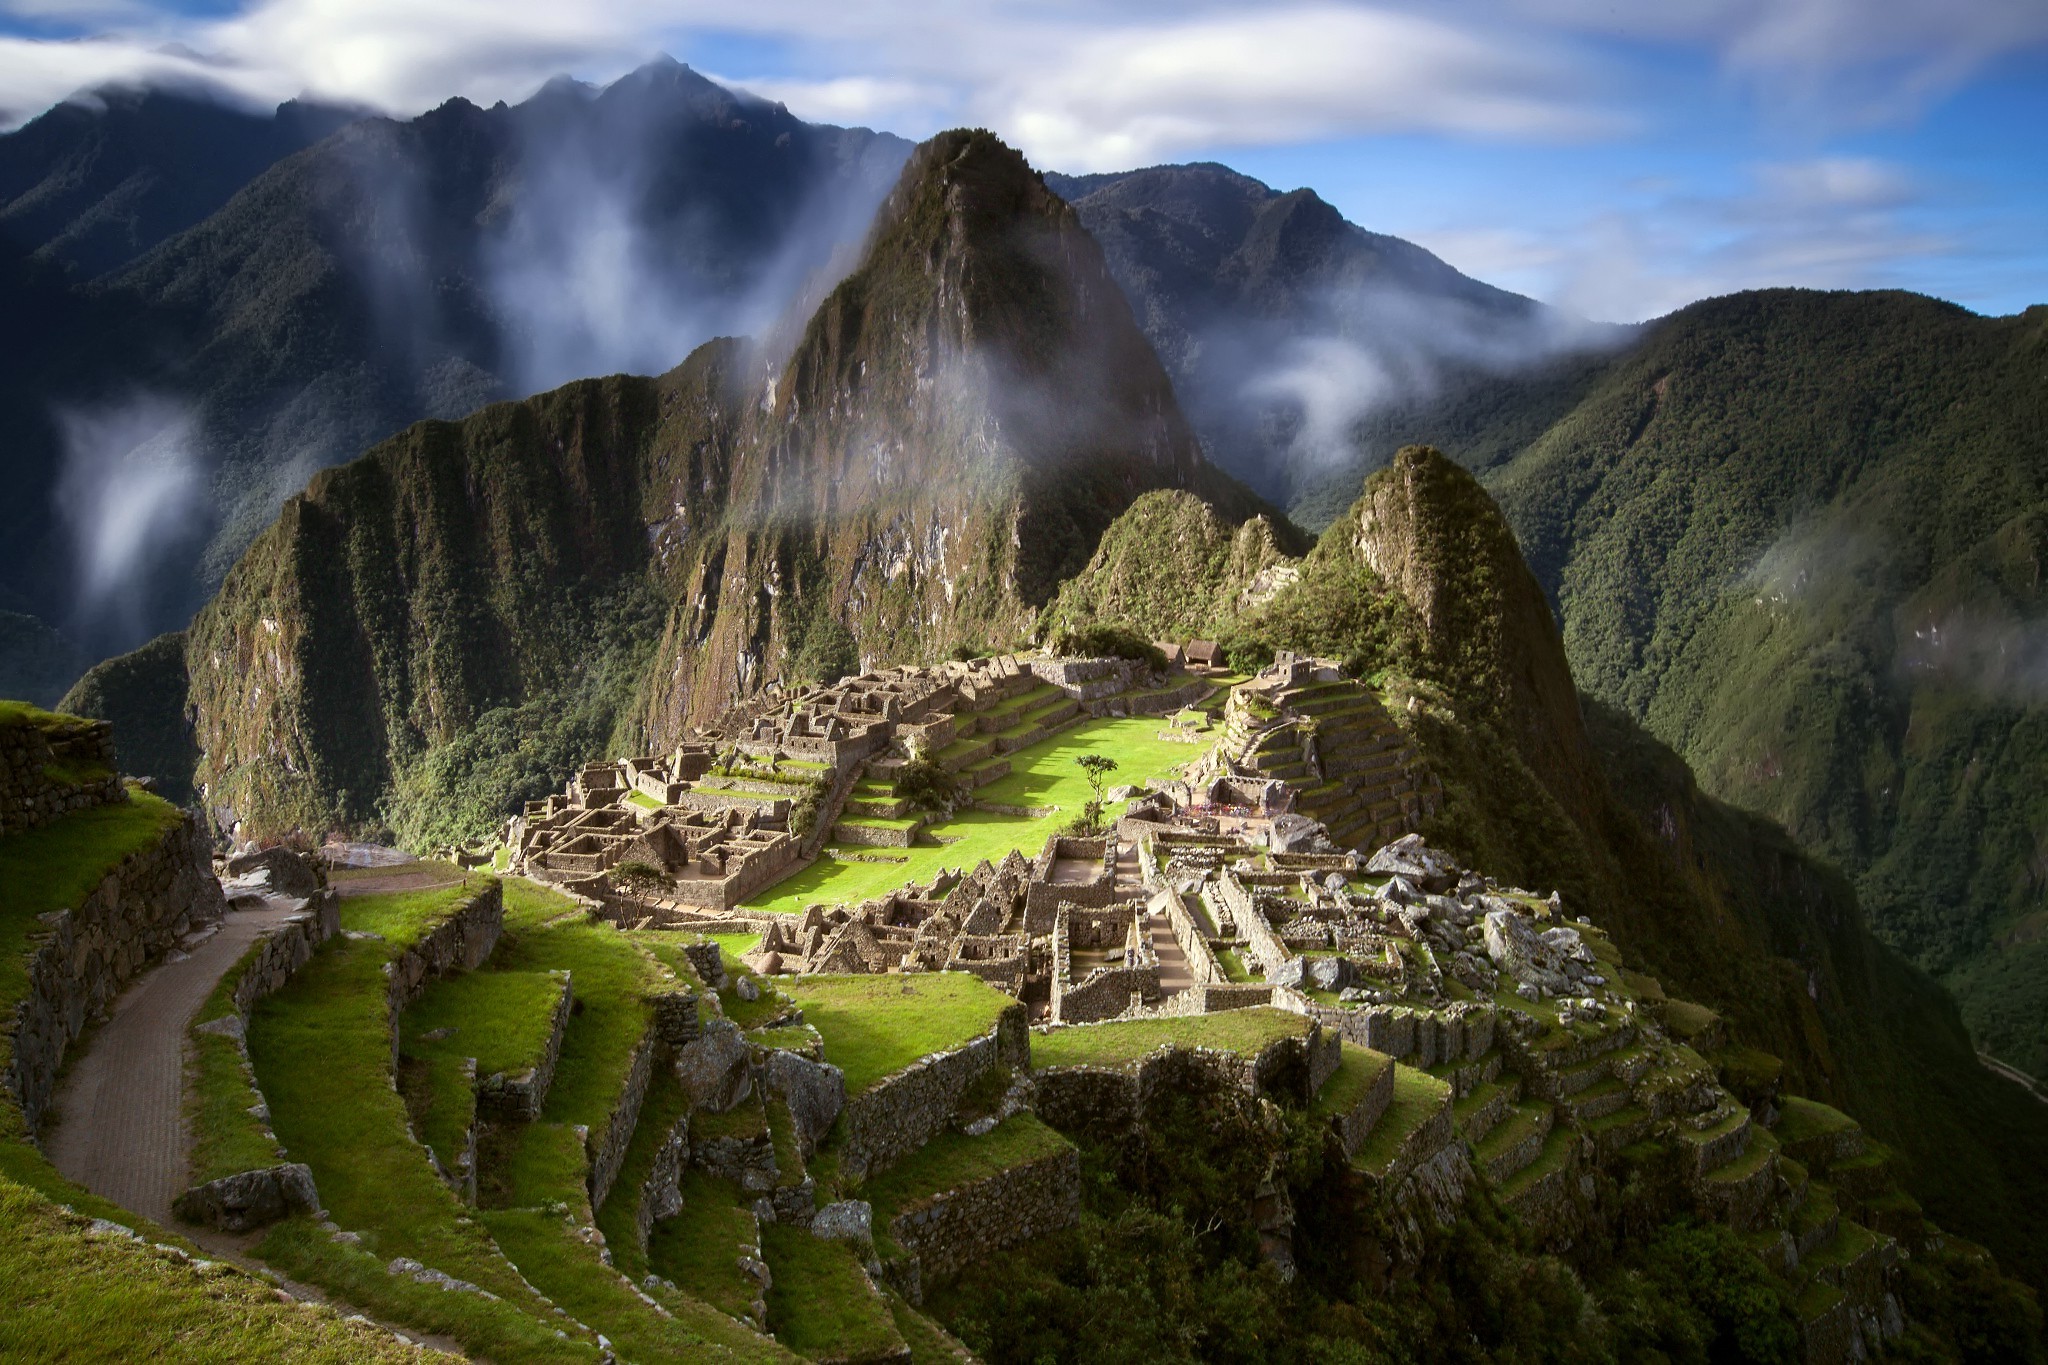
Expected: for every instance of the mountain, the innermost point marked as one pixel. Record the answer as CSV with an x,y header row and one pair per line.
x,y
95,182
450,624
1421,585
1795,535
1283,325
390,271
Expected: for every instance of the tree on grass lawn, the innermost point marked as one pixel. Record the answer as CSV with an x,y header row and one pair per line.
x,y
1097,768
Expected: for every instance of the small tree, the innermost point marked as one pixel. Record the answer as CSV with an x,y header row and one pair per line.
x,y
1097,768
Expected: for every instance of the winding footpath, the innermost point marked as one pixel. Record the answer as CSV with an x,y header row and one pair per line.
x,y
120,1129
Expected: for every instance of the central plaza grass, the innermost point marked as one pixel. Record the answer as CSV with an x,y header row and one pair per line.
x,y
1045,774
874,1026
1244,1032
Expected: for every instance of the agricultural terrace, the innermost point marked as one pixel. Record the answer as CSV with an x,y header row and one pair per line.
x,y
874,1026
1044,777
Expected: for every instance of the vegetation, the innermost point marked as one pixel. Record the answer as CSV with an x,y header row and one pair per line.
x,y
73,1294
1241,1031
820,1301
953,1159
874,1026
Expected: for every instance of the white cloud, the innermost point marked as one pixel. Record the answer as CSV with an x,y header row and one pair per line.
x,y
1823,223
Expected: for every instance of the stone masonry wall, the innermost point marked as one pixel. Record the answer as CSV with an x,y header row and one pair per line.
x,y
897,1116
519,1097
459,943
30,796
956,1228
83,956
290,946
607,1148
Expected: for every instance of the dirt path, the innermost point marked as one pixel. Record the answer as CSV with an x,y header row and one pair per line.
x,y
120,1128
2015,1075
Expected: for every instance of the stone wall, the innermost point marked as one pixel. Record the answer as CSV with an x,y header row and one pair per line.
x,y
1106,1101
520,1096
250,1199
607,1146
82,957
895,1117
1259,939
47,772
459,943
1201,961
957,1228
279,954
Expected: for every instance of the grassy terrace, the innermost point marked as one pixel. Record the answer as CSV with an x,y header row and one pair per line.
x,y
699,1249
1358,1070
323,1058
953,1159
821,1303
226,1137
1244,1032
1801,1120
56,866
874,1026
1044,774
1417,1097
69,1296
500,1018
539,1206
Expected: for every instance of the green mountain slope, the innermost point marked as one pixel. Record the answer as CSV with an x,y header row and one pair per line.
x,y
1421,585
1799,537
438,631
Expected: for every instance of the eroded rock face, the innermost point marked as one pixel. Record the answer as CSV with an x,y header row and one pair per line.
x,y
716,1069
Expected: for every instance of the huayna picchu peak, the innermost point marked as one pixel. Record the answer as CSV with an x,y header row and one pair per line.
x,y
721,756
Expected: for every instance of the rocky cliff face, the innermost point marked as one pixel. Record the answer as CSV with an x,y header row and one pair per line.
x,y
475,607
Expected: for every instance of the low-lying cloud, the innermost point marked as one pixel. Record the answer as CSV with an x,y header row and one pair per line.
x,y
132,489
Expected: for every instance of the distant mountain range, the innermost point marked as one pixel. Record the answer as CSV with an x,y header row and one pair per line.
x,y
213,304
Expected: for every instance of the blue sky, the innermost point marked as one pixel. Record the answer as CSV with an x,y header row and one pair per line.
x,y
1619,164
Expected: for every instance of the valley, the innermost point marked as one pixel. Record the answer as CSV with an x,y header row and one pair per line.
x,y
940,830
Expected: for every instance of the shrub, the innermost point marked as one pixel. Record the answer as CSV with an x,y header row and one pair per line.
x,y
1116,642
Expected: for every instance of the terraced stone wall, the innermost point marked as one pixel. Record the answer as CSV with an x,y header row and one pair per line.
x,y
48,771
957,1228
459,943
897,1116
83,957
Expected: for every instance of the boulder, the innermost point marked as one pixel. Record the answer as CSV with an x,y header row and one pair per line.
x,y
814,1091
716,1069
290,874
1288,973
250,1199
849,1220
1327,973
1409,857
1516,948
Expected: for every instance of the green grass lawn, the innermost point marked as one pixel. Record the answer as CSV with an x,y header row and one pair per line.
x,y
642,800
67,1296
659,1113
1241,1031
820,1301
874,1026
1045,774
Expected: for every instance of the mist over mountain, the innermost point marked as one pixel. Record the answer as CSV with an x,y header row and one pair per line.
x,y
1290,332
178,329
